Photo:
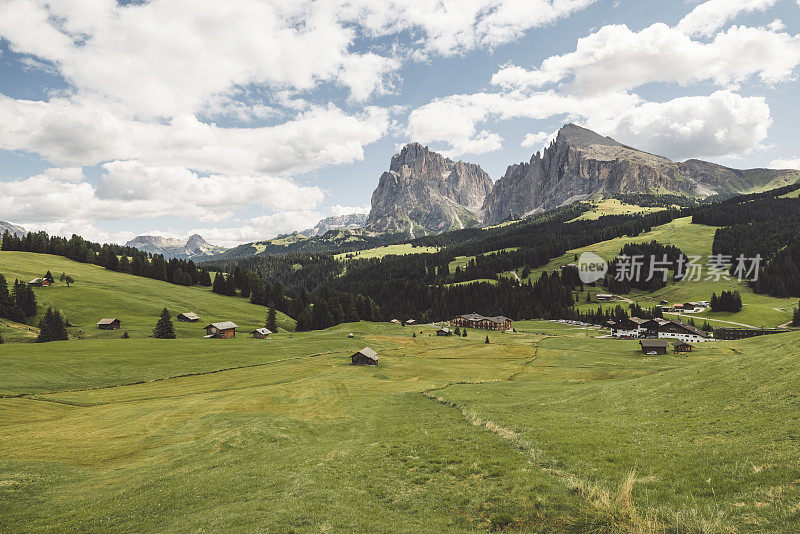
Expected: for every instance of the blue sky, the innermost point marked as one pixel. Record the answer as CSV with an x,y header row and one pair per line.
x,y
245,119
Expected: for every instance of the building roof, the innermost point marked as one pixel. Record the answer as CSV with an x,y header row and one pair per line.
x,y
411,321
637,320
478,317
444,329
190,315
681,343
262,331
225,325
369,353
654,343
689,328
106,321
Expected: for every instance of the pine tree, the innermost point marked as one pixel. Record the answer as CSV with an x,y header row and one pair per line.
x,y
52,327
69,280
126,335
205,278
464,333
62,278
272,319
49,277
1,339
457,331
796,318
164,328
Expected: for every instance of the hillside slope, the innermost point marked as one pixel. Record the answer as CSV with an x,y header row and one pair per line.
x,y
135,300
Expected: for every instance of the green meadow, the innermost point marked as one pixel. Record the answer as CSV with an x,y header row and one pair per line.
x,y
555,428
136,301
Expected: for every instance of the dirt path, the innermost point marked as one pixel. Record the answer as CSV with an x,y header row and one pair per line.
x,y
707,319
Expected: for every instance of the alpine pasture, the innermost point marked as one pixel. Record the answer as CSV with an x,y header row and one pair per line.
x,y
554,428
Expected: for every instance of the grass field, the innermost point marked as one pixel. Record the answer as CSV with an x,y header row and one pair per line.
x,y
536,431
135,300
612,206
379,252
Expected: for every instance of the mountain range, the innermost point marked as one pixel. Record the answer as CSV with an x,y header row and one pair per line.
x,y
12,228
194,247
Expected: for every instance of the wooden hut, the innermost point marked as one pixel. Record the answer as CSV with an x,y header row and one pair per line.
x,y
652,347
365,356
109,324
444,332
261,333
188,317
223,330
411,322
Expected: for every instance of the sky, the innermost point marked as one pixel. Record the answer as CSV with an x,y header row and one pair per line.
x,y
244,119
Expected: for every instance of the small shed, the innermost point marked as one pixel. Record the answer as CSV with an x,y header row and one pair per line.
x,y
109,324
411,321
365,356
604,297
223,330
444,332
654,346
261,333
188,317
39,282
351,335
395,321
682,346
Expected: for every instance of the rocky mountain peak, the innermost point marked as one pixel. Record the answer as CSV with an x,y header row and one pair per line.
x,y
193,247
425,192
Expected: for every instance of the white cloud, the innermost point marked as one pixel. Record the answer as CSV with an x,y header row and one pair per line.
x,y
710,16
617,58
86,133
533,140
721,124
129,189
785,163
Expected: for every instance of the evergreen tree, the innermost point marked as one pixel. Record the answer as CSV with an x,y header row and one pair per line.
x,y
1,339
272,319
796,318
164,328
62,278
351,312
205,278
52,327
219,285
124,265
464,333
49,277
457,331
126,335
69,280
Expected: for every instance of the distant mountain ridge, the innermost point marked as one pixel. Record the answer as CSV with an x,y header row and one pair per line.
x,y
581,164
424,192
18,231
351,221
194,247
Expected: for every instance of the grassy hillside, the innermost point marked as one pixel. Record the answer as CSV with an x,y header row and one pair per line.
x,y
613,206
692,239
380,252
135,300
533,432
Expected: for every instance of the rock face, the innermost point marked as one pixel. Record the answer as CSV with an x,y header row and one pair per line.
x,y
194,247
423,192
12,228
581,165
352,221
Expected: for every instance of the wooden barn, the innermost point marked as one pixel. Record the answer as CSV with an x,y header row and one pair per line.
x,y
188,317
682,346
652,347
261,333
109,324
223,330
365,356
444,332
411,322
39,282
